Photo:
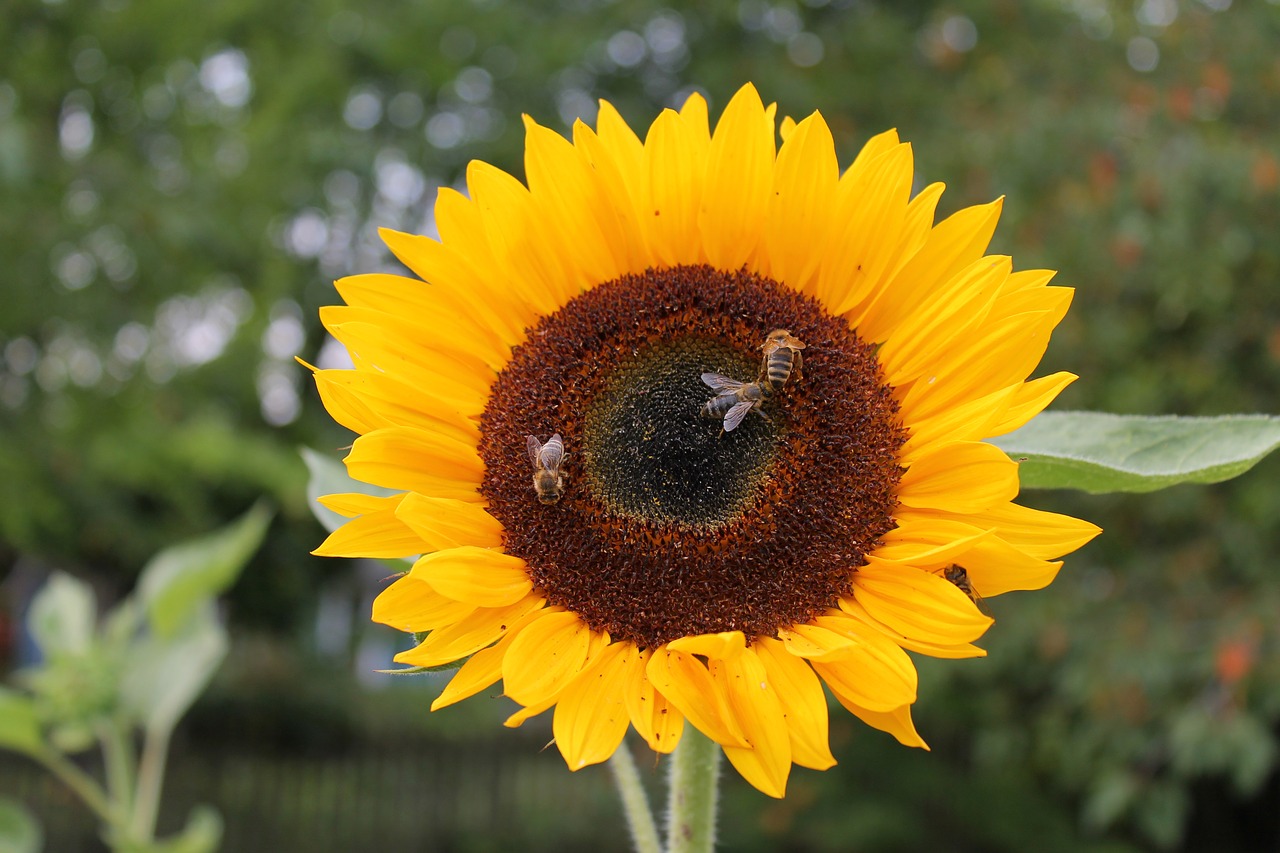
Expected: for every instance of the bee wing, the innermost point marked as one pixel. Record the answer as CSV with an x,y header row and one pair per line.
x,y
552,453
734,416
720,383
535,447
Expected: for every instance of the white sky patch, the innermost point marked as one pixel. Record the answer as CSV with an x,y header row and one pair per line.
x,y
225,75
194,330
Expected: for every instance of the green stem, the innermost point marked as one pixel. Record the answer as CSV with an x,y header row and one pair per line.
x,y
644,832
146,805
695,780
117,760
84,785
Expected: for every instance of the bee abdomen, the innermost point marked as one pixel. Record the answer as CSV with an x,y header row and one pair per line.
x,y
779,369
717,406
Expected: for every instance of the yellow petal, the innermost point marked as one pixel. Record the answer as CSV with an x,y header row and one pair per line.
x,y
804,705
952,311
591,714
676,162
434,308
363,401
1003,351
969,422
546,657
694,112
448,522
877,674
884,141
938,650
575,211
963,476
918,604
373,350
686,683
916,225
623,196
953,244
532,266
1054,300
1030,399
468,636
377,534
870,206
452,271
996,567
804,187
621,141
739,179
927,540
351,504
483,668
896,722
419,461
518,719
658,721
433,343
812,642
477,576
410,604
725,645
766,763
1039,534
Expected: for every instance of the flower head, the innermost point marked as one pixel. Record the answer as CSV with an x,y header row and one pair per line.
x,y
669,563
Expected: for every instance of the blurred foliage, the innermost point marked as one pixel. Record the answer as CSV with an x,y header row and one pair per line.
x,y
103,679
180,182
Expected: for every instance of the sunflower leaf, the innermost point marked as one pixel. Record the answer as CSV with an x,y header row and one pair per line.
x,y
19,723
166,675
1099,452
180,579
19,832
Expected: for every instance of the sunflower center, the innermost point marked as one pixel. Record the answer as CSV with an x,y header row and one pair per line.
x,y
668,525
649,455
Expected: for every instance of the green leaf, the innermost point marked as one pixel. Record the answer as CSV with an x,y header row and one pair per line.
x,y
183,577
1099,452
19,723
166,674
201,835
328,476
62,615
19,831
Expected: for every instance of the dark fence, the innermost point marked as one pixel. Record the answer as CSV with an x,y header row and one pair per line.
x,y
425,797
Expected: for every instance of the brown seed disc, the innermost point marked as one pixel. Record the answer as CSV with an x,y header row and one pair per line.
x,y
667,527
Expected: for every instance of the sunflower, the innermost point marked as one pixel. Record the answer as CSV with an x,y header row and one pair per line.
x,y
666,570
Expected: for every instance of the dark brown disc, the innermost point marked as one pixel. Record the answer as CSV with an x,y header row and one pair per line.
x,y
668,527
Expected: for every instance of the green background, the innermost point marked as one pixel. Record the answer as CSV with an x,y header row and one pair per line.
x,y
180,183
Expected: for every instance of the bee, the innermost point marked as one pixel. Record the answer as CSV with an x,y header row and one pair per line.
x,y
958,576
781,356
733,399
548,479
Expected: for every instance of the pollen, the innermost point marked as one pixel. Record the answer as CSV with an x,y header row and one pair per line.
x,y
668,526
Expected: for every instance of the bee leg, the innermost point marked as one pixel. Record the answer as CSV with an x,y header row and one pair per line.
x,y
763,415
799,364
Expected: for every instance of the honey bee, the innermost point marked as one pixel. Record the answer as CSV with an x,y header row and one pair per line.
x,y
548,479
958,576
733,399
781,356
